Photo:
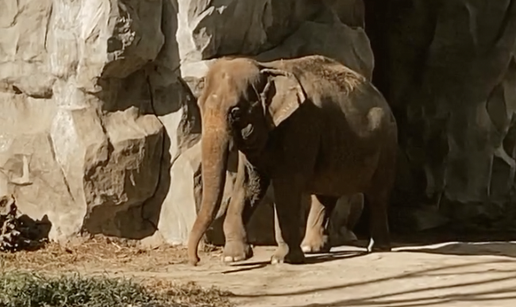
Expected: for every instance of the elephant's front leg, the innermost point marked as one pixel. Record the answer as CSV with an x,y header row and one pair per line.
x,y
287,210
316,233
249,189
236,247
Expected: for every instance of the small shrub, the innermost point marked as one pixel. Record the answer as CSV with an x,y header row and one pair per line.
x,y
17,231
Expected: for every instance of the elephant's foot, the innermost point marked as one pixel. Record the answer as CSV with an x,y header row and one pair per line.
x,y
236,251
316,244
194,261
284,255
379,247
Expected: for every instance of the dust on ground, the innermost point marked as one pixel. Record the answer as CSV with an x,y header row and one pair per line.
x,y
446,274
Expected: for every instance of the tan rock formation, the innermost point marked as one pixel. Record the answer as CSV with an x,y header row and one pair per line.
x,y
71,77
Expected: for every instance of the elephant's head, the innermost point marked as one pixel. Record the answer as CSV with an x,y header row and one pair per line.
x,y
242,101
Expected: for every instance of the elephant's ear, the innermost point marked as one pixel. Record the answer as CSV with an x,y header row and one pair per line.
x,y
282,95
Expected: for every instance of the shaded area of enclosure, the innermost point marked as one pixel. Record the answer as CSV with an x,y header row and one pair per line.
x,y
448,70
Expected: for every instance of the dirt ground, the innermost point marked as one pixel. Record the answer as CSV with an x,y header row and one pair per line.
x,y
447,274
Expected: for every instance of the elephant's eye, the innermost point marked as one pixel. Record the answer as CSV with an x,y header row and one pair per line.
x,y
235,114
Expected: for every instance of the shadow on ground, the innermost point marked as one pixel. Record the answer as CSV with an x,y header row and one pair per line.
x,y
407,281
447,242
477,291
459,248
310,259
507,249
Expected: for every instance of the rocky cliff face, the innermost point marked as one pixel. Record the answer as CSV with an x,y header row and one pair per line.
x,y
448,70
99,126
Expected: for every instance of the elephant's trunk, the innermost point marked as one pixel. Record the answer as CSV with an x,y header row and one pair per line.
x,y
215,149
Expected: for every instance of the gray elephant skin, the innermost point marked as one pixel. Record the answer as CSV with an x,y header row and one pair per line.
x,y
306,125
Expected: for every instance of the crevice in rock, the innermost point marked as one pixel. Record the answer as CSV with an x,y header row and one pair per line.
x,y
189,128
163,148
49,20
44,93
61,170
16,90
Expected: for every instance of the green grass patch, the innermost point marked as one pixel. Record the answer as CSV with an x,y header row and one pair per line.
x,y
21,289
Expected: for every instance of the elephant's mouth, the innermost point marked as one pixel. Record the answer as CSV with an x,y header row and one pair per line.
x,y
247,132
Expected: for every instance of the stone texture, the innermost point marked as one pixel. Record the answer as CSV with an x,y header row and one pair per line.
x,y
350,12
99,128
448,69
71,73
209,29
348,46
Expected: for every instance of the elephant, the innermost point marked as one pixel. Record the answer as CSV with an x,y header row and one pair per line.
x,y
305,125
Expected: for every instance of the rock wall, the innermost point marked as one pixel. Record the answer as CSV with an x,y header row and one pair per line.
x,y
75,105
99,127
448,70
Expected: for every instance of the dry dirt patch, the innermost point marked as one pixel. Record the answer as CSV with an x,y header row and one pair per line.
x,y
100,253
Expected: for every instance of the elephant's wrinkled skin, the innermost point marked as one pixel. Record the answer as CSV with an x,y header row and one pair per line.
x,y
305,125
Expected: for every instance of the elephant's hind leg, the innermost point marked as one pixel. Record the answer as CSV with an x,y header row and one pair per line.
x,y
378,222
287,222
316,234
377,198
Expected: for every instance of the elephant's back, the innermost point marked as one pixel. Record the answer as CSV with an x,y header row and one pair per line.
x,y
322,76
328,82
344,96
347,100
